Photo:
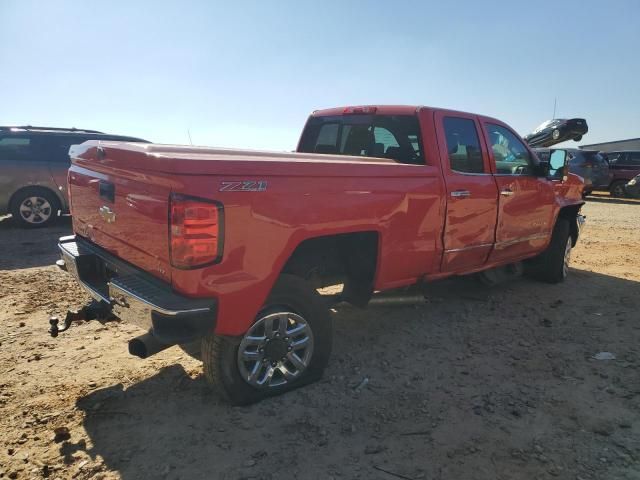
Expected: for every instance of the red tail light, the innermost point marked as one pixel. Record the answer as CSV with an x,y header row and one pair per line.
x,y
195,231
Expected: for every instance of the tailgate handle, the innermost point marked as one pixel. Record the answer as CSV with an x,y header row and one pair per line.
x,y
107,191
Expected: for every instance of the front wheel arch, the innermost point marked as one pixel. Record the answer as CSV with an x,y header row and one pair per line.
x,y
570,213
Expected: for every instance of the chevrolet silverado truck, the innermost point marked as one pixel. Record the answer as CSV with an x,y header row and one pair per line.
x,y
223,251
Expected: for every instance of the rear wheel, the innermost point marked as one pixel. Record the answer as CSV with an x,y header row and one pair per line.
x,y
287,346
552,265
578,138
617,189
35,207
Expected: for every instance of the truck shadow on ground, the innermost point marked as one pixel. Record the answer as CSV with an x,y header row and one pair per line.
x,y
502,368
35,247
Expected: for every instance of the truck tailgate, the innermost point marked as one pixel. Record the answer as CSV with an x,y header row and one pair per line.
x,y
121,208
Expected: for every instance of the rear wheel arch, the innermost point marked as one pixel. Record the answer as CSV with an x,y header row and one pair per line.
x,y
348,258
13,197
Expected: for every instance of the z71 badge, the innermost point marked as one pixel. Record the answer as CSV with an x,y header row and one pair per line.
x,y
244,186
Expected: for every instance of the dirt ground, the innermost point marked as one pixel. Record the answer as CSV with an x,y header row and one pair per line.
x,y
468,382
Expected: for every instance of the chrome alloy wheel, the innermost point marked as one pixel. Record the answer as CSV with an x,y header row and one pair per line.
x,y
35,210
567,258
276,350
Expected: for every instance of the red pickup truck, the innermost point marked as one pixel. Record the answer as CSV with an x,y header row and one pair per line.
x,y
222,251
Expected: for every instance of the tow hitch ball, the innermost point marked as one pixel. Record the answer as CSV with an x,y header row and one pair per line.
x,y
88,312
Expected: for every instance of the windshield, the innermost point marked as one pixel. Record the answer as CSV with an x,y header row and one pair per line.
x,y
386,136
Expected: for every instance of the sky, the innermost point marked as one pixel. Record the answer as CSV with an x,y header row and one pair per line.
x,y
247,74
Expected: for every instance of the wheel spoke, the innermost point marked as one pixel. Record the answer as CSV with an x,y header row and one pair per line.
x,y
283,324
255,372
252,356
253,340
298,330
300,343
296,361
268,326
286,373
266,379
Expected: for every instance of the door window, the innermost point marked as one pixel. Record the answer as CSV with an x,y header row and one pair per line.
x,y
463,145
14,148
510,155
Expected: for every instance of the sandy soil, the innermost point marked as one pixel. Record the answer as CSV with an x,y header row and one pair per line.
x,y
465,383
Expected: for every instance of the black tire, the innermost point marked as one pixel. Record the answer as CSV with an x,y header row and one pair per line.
x,y
578,138
220,354
40,193
617,189
549,266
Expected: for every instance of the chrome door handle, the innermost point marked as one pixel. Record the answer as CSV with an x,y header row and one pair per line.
x,y
506,192
460,193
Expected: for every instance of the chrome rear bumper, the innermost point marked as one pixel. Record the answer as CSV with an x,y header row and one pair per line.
x,y
135,296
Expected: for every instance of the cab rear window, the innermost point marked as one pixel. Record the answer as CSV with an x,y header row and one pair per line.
x,y
386,136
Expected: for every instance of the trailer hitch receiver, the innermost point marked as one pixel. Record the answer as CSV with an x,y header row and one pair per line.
x,y
92,311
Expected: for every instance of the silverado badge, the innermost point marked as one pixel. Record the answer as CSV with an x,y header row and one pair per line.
x,y
107,214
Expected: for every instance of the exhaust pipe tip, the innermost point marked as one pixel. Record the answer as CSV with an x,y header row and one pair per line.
x,y
146,345
137,348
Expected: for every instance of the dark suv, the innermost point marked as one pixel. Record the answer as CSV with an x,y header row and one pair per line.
x,y
624,166
33,170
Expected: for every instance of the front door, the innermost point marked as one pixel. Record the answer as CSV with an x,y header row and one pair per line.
x,y
526,201
471,192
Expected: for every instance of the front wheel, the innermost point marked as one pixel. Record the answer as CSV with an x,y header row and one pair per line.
x,y
552,265
287,346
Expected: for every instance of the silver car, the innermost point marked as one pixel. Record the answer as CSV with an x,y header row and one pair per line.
x,y
33,170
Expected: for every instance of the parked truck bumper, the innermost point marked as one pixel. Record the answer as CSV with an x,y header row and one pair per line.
x,y
135,296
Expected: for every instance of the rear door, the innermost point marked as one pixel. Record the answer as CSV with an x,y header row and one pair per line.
x,y
471,192
526,201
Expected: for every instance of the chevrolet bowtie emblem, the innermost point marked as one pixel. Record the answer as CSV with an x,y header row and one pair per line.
x,y
107,214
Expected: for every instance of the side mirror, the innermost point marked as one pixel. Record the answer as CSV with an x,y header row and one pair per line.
x,y
558,165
